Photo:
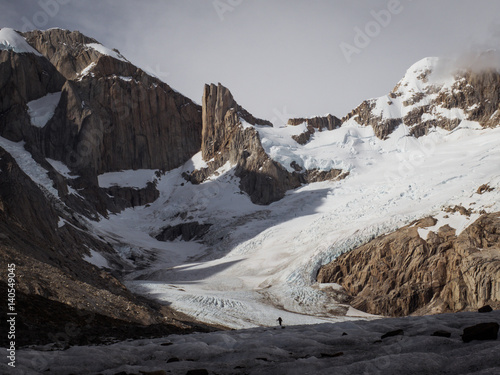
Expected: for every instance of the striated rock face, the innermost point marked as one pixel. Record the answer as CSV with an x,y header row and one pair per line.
x,y
218,102
225,139
111,116
108,124
423,100
327,122
66,50
401,273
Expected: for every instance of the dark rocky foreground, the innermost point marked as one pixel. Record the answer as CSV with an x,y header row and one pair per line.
x,y
461,343
42,321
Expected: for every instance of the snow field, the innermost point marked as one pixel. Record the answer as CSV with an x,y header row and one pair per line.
x,y
106,51
260,262
41,110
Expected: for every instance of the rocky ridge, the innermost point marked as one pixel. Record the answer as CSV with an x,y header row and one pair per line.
x,y
314,124
229,135
401,273
425,98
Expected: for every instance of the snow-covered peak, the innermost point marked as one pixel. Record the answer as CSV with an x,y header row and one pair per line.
x,y
435,92
416,77
10,40
106,51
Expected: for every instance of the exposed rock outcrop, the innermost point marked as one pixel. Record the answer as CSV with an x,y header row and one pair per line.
x,y
220,113
423,101
364,116
131,197
108,124
225,139
320,123
314,124
111,116
401,273
66,50
186,231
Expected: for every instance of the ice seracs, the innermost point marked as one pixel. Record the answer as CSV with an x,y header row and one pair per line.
x,y
10,40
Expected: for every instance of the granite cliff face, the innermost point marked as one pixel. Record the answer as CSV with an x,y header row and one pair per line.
x,y
66,50
226,137
401,273
110,116
220,113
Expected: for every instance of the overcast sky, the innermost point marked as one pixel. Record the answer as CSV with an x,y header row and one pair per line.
x,y
280,58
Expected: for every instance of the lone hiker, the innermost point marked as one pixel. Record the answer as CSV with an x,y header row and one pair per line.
x,y
279,320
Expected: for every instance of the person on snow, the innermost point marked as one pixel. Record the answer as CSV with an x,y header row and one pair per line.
x,y
279,320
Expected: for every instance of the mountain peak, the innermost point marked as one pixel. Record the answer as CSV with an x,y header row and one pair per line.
x,y
434,92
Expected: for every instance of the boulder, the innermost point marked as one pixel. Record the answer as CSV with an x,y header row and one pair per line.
x,y
482,331
485,309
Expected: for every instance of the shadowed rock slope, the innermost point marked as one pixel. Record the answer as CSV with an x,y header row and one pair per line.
x,y
111,116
